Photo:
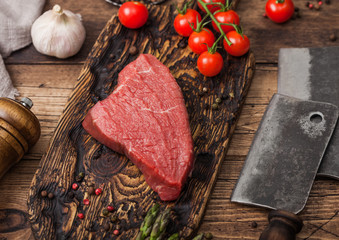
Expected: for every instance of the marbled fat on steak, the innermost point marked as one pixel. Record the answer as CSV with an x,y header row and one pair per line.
x,y
145,118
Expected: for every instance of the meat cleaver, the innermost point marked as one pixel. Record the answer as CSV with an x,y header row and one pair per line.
x,y
284,158
313,74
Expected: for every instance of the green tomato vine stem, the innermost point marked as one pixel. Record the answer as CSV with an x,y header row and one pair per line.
x,y
222,6
214,47
184,9
237,28
200,25
204,5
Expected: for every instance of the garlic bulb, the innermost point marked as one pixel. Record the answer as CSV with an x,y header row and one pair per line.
x,y
58,33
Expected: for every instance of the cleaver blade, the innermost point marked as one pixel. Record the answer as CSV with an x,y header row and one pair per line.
x,y
313,74
285,154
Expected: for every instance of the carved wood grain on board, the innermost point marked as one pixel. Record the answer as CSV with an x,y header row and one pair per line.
x,y
72,150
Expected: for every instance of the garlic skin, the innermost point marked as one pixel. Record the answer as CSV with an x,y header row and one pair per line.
x,y
59,33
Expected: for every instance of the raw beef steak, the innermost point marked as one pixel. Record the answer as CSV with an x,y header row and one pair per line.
x,y
145,118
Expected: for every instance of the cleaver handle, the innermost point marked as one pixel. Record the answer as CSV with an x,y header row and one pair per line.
x,y
283,225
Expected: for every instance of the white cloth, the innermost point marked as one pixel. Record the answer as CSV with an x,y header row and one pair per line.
x,y
6,86
16,19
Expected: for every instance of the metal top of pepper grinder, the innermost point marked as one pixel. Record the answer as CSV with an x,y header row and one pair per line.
x,y
27,102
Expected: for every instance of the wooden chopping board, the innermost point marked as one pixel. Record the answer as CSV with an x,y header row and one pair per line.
x,y
72,150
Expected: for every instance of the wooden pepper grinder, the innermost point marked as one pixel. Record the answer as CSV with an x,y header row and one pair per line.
x,y
19,131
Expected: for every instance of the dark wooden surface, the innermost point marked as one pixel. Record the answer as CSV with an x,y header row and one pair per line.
x,y
49,82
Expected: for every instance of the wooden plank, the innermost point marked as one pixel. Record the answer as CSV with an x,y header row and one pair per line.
x,y
268,37
72,151
44,77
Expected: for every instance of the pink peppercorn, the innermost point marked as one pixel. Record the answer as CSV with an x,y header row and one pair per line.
x,y
310,5
86,201
75,186
98,191
320,3
81,215
110,208
116,232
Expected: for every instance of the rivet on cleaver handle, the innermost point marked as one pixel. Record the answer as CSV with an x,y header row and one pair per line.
x,y
285,154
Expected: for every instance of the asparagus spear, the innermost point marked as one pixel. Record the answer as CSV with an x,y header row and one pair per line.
x,y
208,235
146,226
162,236
199,237
139,236
160,224
174,236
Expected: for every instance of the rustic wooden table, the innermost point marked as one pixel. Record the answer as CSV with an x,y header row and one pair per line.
x,y
49,82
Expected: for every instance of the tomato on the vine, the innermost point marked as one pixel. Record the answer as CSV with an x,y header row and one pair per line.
x,y
183,20
229,16
240,44
210,64
279,11
133,14
199,41
212,7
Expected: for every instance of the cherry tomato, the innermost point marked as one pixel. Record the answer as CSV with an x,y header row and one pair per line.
x,y
210,64
279,11
182,22
198,41
133,14
240,44
212,7
229,16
